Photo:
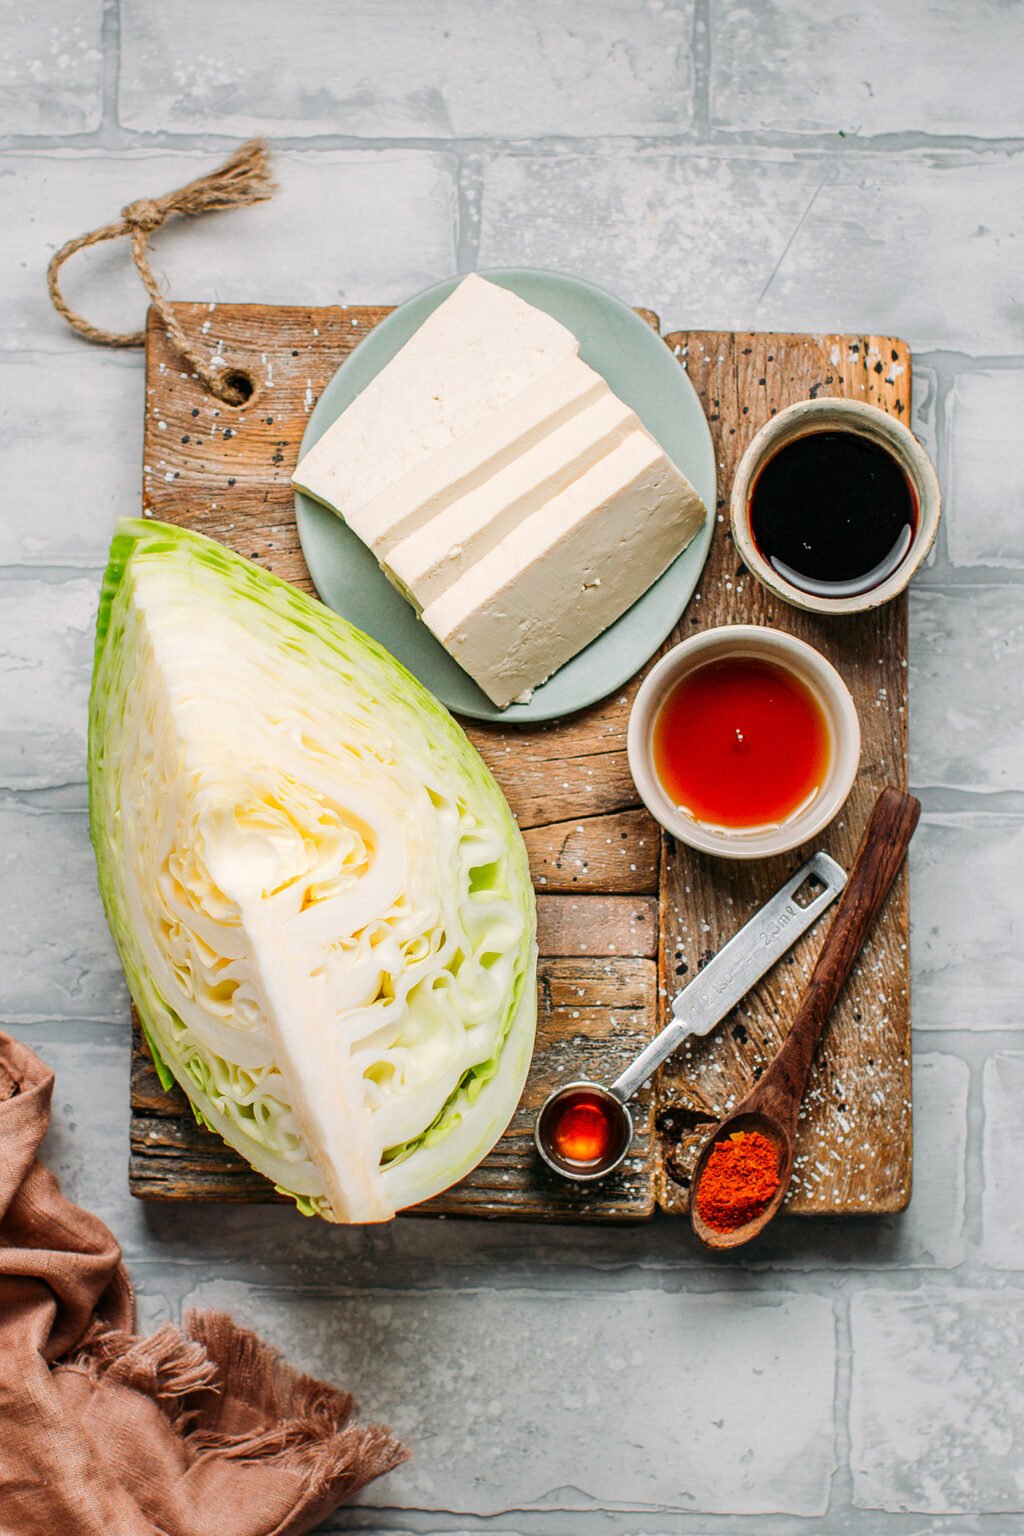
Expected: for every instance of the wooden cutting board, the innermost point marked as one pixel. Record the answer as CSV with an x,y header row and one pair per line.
x,y
625,915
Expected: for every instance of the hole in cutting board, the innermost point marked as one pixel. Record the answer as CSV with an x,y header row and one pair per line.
x,y
241,384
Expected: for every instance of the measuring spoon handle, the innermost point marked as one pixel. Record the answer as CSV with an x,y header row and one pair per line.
x,y
728,977
879,857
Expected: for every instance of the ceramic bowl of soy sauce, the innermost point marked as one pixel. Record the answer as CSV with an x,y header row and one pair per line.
x,y
834,506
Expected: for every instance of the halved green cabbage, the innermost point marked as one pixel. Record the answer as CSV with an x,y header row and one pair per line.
x,y
319,895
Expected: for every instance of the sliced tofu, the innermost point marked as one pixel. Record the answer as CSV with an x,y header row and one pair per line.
x,y
564,574
473,456
478,350
436,556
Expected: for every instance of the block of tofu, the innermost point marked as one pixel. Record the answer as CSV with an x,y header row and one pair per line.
x,y
479,349
563,575
472,457
438,554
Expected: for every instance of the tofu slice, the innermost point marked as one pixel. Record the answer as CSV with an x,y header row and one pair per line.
x,y
478,350
564,574
473,456
438,554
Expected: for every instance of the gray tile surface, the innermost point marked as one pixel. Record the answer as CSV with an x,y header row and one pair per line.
x,y
867,68
937,1410
967,645
56,408
1003,1207
908,242
780,164
56,956
968,960
51,66
402,202
46,640
986,480
390,69
700,1375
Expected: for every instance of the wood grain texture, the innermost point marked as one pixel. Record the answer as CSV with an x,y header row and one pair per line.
x,y
599,862
773,1105
853,1150
880,856
591,1013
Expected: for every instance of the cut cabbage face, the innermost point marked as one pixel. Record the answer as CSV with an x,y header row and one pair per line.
x,y
319,895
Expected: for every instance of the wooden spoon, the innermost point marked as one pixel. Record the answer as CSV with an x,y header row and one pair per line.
x,y
774,1104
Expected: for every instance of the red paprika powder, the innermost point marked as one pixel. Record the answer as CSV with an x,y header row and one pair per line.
x,y
740,1178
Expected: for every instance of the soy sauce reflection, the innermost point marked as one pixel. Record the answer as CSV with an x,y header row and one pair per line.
x,y
833,513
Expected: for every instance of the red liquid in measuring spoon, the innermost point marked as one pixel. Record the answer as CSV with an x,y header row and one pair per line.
x,y
581,1130
741,742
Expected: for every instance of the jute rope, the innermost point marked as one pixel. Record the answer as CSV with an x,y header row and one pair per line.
x,y
244,178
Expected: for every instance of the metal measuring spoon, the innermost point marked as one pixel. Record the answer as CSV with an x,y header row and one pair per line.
x,y
712,994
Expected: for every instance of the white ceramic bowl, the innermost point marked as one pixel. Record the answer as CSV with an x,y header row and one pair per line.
x,y
837,416
819,676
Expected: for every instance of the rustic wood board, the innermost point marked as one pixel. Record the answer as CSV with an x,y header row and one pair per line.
x,y
854,1144
624,915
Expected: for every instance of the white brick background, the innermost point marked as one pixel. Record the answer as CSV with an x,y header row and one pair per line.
x,y
762,163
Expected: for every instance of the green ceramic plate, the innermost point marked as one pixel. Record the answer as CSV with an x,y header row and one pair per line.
x,y
642,372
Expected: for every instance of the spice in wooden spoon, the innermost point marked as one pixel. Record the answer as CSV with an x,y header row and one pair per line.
x,y
740,1178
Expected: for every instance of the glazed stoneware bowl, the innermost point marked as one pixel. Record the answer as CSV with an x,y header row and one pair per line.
x,y
817,674
868,421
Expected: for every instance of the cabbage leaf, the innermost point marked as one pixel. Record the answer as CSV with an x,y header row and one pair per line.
x,y
319,895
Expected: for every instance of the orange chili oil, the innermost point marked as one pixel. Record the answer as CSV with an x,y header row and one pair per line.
x,y
739,1179
581,1132
741,742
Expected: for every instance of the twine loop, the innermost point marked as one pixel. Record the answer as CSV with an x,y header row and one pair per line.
x,y
243,178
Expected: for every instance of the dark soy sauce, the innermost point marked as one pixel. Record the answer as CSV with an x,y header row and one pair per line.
x,y
833,513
